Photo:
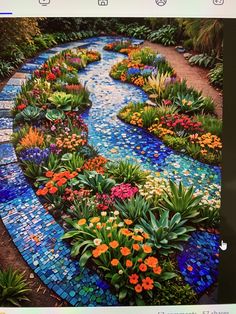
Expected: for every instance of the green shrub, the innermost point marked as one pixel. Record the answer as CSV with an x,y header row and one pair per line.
x,y
72,161
210,124
203,60
95,181
211,217
177,143
125,172
216,75
144,56
166,35
149,116
13,288
5,69
175,292
188,44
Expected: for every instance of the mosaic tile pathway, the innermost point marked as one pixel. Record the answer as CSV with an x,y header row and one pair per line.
x,y
37,235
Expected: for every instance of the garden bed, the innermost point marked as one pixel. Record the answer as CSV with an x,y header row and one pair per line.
x,y
113,208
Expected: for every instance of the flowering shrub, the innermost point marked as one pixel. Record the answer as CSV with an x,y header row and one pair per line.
x,y
154,188
97,164
180,124
70,143
123,253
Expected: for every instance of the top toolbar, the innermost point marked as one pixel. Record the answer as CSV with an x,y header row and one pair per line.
x,y
118,8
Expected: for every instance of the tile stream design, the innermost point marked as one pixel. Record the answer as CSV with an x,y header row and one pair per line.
x,y
35,232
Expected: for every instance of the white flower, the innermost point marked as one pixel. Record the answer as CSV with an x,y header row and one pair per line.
x,y
108,228
103,214
116,213
97,241
91,225
121,224
120,272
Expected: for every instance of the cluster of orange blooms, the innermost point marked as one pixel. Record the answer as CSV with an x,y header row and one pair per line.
x,y
32,139
158,129
96,164
139,81
207,142
70,142
136,119
128,51
56,180
92,55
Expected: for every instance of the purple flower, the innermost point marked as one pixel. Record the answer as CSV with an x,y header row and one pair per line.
x,y
35,155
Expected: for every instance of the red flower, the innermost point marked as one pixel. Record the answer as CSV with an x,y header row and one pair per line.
x,y
21,107
51,77
147,283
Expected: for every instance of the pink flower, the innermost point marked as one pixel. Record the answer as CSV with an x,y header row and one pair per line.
x,y
123,191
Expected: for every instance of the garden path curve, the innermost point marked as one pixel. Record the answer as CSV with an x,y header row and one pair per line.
x,y
34,231
196,77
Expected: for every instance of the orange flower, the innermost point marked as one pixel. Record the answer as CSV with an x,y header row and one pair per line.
x,y
147,283
102,248
143,267
82,222
126,232
114,244
151,261
136,247
129,263
94,220
147,248
137,238
61,181
49,174
128,222
140,260
145,235
53,190
114,262
157,270
133,279
138,288
44,191
190,268
96,253
125,251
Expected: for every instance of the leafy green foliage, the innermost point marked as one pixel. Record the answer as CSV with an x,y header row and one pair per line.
x,y
216,75
95,181
210,124
174,292
13,288
149,116
5,69
72,161
203,60
124,171
144,56
166,234
166,35
211,217
54,114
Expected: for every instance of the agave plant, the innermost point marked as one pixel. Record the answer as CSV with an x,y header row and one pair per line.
x,y
166,234
30,113
126,172
182,200
134,208
54,114
13,288
96,182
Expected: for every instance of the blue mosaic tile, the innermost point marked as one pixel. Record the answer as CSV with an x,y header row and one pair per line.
x,y
6,123
9,92
7,154
29,68
199,261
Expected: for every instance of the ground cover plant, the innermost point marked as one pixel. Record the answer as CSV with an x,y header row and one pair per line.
x,y
124,222
177,114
